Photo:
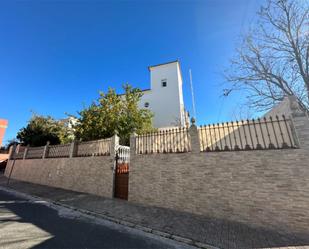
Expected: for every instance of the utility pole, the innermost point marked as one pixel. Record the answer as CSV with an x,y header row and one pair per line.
x,y
192,95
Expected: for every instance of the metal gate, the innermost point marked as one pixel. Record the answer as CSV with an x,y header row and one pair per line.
x,y
122,172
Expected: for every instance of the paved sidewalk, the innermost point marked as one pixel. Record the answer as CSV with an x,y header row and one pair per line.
x,y
218,233
27,222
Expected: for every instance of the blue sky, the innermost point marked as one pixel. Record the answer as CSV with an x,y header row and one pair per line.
x,y
56,55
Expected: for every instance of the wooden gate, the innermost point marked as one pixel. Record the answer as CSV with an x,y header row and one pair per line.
x,y
122,173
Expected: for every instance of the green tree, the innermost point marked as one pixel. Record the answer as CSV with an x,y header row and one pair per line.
x,y
41,129
113,113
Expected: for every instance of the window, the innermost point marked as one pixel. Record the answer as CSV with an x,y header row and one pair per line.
x,y
146,104
164,83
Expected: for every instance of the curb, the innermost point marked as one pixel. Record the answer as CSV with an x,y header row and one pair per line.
x,y
91,214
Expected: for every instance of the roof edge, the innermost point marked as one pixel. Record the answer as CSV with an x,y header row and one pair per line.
x,y
161,64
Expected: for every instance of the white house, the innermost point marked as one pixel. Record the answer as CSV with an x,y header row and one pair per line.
x,y
165,97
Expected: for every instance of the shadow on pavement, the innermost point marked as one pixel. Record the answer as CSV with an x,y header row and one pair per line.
x,y
37,226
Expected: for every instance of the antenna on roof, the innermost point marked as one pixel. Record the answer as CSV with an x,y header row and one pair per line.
x,y
192,94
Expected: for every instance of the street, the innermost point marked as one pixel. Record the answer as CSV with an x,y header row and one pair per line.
x,y
29,224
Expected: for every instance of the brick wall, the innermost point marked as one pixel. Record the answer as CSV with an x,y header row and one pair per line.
x,y
89,174
268,188
3,126
92,175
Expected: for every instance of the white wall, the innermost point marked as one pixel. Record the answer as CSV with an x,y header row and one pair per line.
x,y
165,102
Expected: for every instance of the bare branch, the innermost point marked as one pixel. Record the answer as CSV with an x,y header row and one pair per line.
x,y
273,60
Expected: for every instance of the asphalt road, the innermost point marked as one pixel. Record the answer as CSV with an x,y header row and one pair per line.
x,y
30,224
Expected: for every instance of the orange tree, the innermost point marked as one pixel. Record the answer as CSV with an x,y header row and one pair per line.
x,y
114,114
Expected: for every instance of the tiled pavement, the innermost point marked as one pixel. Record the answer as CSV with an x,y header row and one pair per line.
x,y
218,233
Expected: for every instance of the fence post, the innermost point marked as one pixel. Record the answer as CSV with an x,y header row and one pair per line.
x,y
300,119
133,144
26,152
45,152
195,139
12,151
73,149
114,145
17,149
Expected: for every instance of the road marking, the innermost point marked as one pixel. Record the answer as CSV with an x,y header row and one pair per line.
x,y
20,202
9,216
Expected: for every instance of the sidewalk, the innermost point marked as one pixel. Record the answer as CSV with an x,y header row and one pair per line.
x,y
180,226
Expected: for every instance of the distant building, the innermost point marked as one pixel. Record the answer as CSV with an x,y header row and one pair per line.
x,y
165,97
69,122
3,126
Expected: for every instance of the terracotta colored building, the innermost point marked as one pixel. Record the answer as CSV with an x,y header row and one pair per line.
x,y
3,126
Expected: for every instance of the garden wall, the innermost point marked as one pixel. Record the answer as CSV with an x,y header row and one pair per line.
x,y
264,188
89,174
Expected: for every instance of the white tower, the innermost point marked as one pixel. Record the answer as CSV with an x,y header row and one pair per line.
x,y
165,98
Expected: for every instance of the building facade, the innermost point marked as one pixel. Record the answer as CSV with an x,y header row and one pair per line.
x,y
3,126
165,96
